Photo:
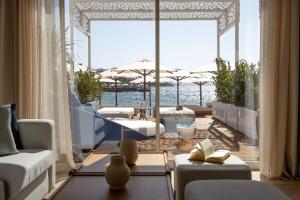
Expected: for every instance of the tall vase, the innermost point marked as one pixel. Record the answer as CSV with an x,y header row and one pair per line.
x,y
129,149
117,173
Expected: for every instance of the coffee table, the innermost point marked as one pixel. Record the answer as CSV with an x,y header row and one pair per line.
x,y
146,164
150,179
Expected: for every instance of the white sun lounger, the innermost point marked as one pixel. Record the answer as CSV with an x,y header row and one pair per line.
x,y
145,127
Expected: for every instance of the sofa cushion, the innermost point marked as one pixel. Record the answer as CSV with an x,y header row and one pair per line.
x,y
15,127
99,123
7,143
19,170
232,189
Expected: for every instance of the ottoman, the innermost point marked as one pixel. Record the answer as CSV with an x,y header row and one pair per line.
x,y
232,190
187,171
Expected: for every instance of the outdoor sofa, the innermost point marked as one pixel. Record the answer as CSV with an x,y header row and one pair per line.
x,y
30,174
89,128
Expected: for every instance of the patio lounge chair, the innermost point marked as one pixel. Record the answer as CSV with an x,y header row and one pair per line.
x,y
90,129
147,128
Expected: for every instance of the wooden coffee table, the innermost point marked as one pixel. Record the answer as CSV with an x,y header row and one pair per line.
x,y
150,179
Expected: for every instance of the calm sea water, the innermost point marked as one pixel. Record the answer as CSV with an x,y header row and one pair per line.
x,y
189,95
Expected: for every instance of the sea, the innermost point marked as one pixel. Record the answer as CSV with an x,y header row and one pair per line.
x,y
189,94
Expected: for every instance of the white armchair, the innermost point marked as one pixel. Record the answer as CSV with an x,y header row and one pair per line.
x,y
86,126
30,174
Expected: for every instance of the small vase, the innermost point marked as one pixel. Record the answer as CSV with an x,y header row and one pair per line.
x,y
129,149
117,173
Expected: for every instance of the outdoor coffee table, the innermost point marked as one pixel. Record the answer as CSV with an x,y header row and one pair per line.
x,y
149,179
146,164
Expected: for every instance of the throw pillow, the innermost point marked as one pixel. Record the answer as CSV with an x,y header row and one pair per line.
x,y
7,143
15,127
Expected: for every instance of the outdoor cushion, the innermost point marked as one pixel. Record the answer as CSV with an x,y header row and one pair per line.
x,y
145,127
171,111
7,143
99,123
232,190
125,112
19,170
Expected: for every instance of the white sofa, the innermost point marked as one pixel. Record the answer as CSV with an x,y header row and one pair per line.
x,y
30,174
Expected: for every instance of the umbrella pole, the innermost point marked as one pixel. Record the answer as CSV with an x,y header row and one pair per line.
x,y
116,93
157,81
150,98
200,87
177,91
144,84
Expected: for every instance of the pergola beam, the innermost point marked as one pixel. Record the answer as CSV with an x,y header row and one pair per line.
x,y
150,10
147,1
151,19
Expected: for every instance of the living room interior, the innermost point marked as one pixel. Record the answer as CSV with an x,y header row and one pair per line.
x,y
78,122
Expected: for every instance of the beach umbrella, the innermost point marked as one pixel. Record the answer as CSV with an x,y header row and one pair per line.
x,y
108,80
115,76
178,76
144,68
199,81
150,80
208,68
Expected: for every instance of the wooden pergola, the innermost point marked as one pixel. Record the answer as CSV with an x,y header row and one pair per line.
x,y
225,12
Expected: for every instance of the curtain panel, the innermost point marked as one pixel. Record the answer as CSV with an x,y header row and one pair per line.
x,y
33,68
279,88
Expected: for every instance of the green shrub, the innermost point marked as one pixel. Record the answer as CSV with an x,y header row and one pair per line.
x,y
88,86
223,82
238,86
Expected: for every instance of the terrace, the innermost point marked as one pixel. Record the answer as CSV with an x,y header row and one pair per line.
x,y
225,12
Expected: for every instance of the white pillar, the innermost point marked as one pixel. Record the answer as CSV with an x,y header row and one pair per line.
x,y
71,17
157,77
89,47
237,21
218,40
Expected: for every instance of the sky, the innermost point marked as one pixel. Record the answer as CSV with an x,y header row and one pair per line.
x,y
183,44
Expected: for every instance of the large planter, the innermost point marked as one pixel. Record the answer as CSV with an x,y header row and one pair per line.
x,y
248,122
219,110
232,116
239,118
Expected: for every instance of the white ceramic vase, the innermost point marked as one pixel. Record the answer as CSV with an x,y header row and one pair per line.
x,y
129,149
117,173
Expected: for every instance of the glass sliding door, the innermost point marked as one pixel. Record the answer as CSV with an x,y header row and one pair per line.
x,y
156,67
112,50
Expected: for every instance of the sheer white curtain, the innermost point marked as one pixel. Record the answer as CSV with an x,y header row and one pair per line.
x,y
32,66
54,101
279,131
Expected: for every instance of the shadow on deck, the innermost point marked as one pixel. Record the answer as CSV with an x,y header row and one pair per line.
x,y
222,136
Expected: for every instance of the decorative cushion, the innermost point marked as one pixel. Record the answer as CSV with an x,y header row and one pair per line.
x,y
7,143
15,127
19,170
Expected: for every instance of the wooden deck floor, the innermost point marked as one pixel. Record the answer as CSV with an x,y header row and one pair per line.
x,y
221,136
